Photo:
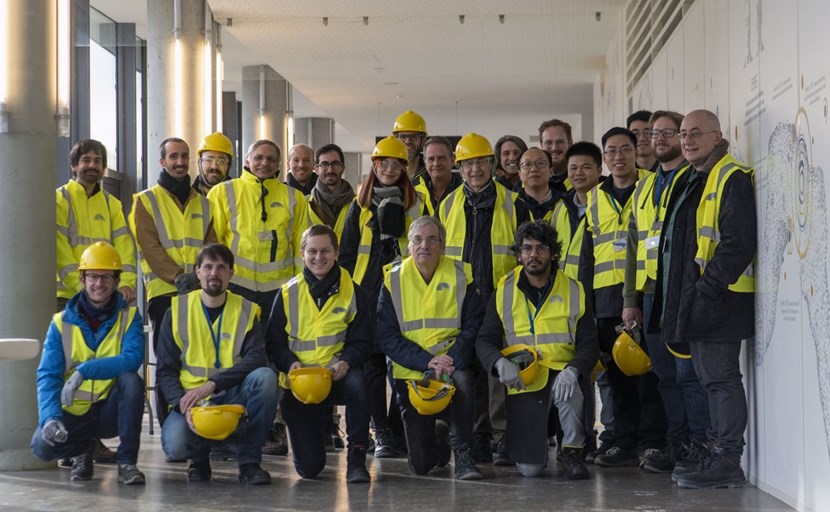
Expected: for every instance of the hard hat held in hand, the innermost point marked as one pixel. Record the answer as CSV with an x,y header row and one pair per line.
x,y
628,354
526,358
216,422
429,396
310,385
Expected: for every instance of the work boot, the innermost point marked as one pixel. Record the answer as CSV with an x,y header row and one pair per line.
x,y
482,452
128,474
253,474
724,471
356,472
65,463
224,450
336,433
82,466
617,457
199,471
277,443
103,454
383,444
664,460
697,456
575,468
500,454
465,467
606,441
442,441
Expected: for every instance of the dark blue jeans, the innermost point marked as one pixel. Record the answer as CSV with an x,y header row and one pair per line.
x,y
119,415
420,430
684,399
306,422
719,369
257,393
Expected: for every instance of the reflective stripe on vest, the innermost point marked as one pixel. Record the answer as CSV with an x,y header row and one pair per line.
x,y
708,234
429,314
609,230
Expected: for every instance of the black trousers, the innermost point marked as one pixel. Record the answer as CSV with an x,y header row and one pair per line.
x,y
156,309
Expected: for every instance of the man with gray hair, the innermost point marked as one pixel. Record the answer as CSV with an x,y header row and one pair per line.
x,y
428,318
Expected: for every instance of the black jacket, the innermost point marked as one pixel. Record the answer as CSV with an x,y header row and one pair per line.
x,y
292,182
539,210
700,308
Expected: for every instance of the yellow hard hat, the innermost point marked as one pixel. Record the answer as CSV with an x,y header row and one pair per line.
x,y
430,396
410,121
629,356
216,422
390,147
526,358
310,385
471,146
100,256
217,141
679,350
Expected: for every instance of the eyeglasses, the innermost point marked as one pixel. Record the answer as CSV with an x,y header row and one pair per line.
x,y
409,136
430,240
527,250
390,164
667,133
104,278
483,163
539,164
335,166
694,134
210,160
612,152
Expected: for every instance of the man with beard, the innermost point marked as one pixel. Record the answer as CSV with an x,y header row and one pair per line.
x,y
556,137
538,305
211,347
170,222
215,158
301,169
508,150
329,200
87,213
411,129
638,123
439,180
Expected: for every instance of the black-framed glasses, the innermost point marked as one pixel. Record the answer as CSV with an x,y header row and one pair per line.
x,y
539,164
335,166
104,278
613,152
666,132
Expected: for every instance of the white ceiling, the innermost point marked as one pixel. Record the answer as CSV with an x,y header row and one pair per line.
x,y
482,75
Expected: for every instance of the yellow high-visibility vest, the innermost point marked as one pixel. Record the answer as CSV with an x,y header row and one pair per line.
x,y
338,224
364,250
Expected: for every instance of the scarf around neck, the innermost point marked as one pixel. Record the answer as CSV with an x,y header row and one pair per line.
x,y
328,202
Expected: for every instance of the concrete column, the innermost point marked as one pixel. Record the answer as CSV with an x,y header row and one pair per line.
x,y
266,97
354,169
314,131
180,93
28,227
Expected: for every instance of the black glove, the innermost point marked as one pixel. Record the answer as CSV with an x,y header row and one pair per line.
x,y
187,282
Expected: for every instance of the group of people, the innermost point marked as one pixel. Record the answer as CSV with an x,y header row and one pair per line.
x,y
506,283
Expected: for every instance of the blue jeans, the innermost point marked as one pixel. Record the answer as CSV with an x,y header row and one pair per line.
x,y
719,369
684,399
307,422
257,393
119,415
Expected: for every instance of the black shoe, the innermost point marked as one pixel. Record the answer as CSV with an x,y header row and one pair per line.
x,y
500,454
199,471
128,474
442,441
103,454
252,474
383,444
617,457
662,461
223,450
465,467
575,468
65,463
171,460
695,458
82,466
277,443
356,472
482,452
723,471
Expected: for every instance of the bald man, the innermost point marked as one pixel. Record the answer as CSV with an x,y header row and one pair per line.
x,y
301,174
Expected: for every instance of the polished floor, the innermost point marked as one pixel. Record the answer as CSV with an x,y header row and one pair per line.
x,y
393,488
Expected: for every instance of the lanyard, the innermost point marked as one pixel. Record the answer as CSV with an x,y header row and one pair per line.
x,y
215,336
532,317
662,182
616,206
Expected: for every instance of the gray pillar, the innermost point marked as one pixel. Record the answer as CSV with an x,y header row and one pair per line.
x,y
354,169
28,248
230,127
314,131
177,92
266,97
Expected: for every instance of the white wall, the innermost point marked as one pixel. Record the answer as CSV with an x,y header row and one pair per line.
x,y
763,67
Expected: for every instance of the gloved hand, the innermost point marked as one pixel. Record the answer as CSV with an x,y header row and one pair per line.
x,y
509,374
186,283
565,384
54,432
69,387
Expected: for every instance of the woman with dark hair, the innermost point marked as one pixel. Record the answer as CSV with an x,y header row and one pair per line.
x,y
375,235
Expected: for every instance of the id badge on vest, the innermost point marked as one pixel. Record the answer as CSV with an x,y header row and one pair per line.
x,y
653,242
619,244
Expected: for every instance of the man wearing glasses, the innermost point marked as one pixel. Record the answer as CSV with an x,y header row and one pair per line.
x,y
170,222
329,200
301,169
639,418
411,129
705,289
535,172
215,158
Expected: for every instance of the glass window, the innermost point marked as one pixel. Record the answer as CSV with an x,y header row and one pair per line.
x,y
103,101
